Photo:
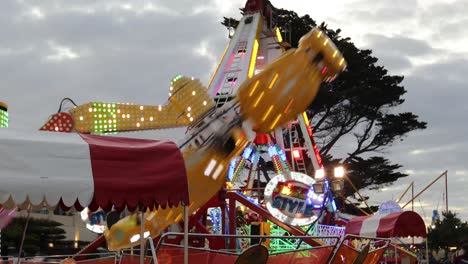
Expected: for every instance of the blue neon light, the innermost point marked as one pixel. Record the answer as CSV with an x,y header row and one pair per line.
x,y
247,151
232,167
280,153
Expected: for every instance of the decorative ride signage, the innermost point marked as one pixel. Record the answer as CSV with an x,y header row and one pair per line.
x,y
290,198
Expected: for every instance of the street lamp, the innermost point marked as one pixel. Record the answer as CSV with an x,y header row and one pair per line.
x,y
319,185
320,174
339,172
337,185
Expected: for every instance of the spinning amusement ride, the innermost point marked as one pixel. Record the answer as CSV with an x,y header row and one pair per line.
x,y
250,116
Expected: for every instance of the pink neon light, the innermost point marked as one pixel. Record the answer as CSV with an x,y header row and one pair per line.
x,y
314,146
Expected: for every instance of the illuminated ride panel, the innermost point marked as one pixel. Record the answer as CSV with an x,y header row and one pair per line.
x,y
188,101
3,114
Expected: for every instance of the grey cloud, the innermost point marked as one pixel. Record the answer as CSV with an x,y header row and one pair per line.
x,y
394,52
394,63
437,93
399,45
386,11
447,20
126,60
443,12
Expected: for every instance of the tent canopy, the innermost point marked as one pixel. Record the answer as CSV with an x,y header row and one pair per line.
x,y
400,224
45,169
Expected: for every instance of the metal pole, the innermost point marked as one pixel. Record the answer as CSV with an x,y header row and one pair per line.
x,y
291,148
446,192
153,251
186,234
359,194
412,205
142,238
360,209
427,250
403,194
425,188
24,234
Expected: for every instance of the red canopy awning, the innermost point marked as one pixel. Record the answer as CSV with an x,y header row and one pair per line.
x,y
401,224
45,168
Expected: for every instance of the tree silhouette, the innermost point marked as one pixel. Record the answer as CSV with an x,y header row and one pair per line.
x,y
448,232
40,233
361,105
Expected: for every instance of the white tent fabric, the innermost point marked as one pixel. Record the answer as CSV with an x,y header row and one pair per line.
x,y
43,166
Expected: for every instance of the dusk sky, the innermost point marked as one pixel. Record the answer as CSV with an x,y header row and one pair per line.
x,y
127,51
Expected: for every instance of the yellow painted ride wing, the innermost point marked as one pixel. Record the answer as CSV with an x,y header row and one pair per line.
x,y
288,85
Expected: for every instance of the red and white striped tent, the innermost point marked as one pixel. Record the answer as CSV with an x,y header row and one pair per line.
x,y
400,224
46,168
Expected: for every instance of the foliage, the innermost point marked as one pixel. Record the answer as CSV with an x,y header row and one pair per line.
x,y
39,233
448,232
360,106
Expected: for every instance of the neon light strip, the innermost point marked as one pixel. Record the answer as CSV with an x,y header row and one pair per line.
x,y
314,146
273,81
254,88
253,59
278,35
217,67
306,120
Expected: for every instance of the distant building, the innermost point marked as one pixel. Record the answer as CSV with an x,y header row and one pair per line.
x,y
75,228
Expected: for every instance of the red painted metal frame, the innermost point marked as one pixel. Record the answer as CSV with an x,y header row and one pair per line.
x,y
233,197
90,248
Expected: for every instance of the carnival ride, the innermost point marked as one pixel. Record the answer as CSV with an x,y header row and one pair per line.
x,y
267,100
258,85
255,85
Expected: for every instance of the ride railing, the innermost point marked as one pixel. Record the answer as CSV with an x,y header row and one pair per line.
x,y
359,249
171,253
94,258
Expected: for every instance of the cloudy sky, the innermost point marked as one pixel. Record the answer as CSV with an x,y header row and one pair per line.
x,y
127,51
